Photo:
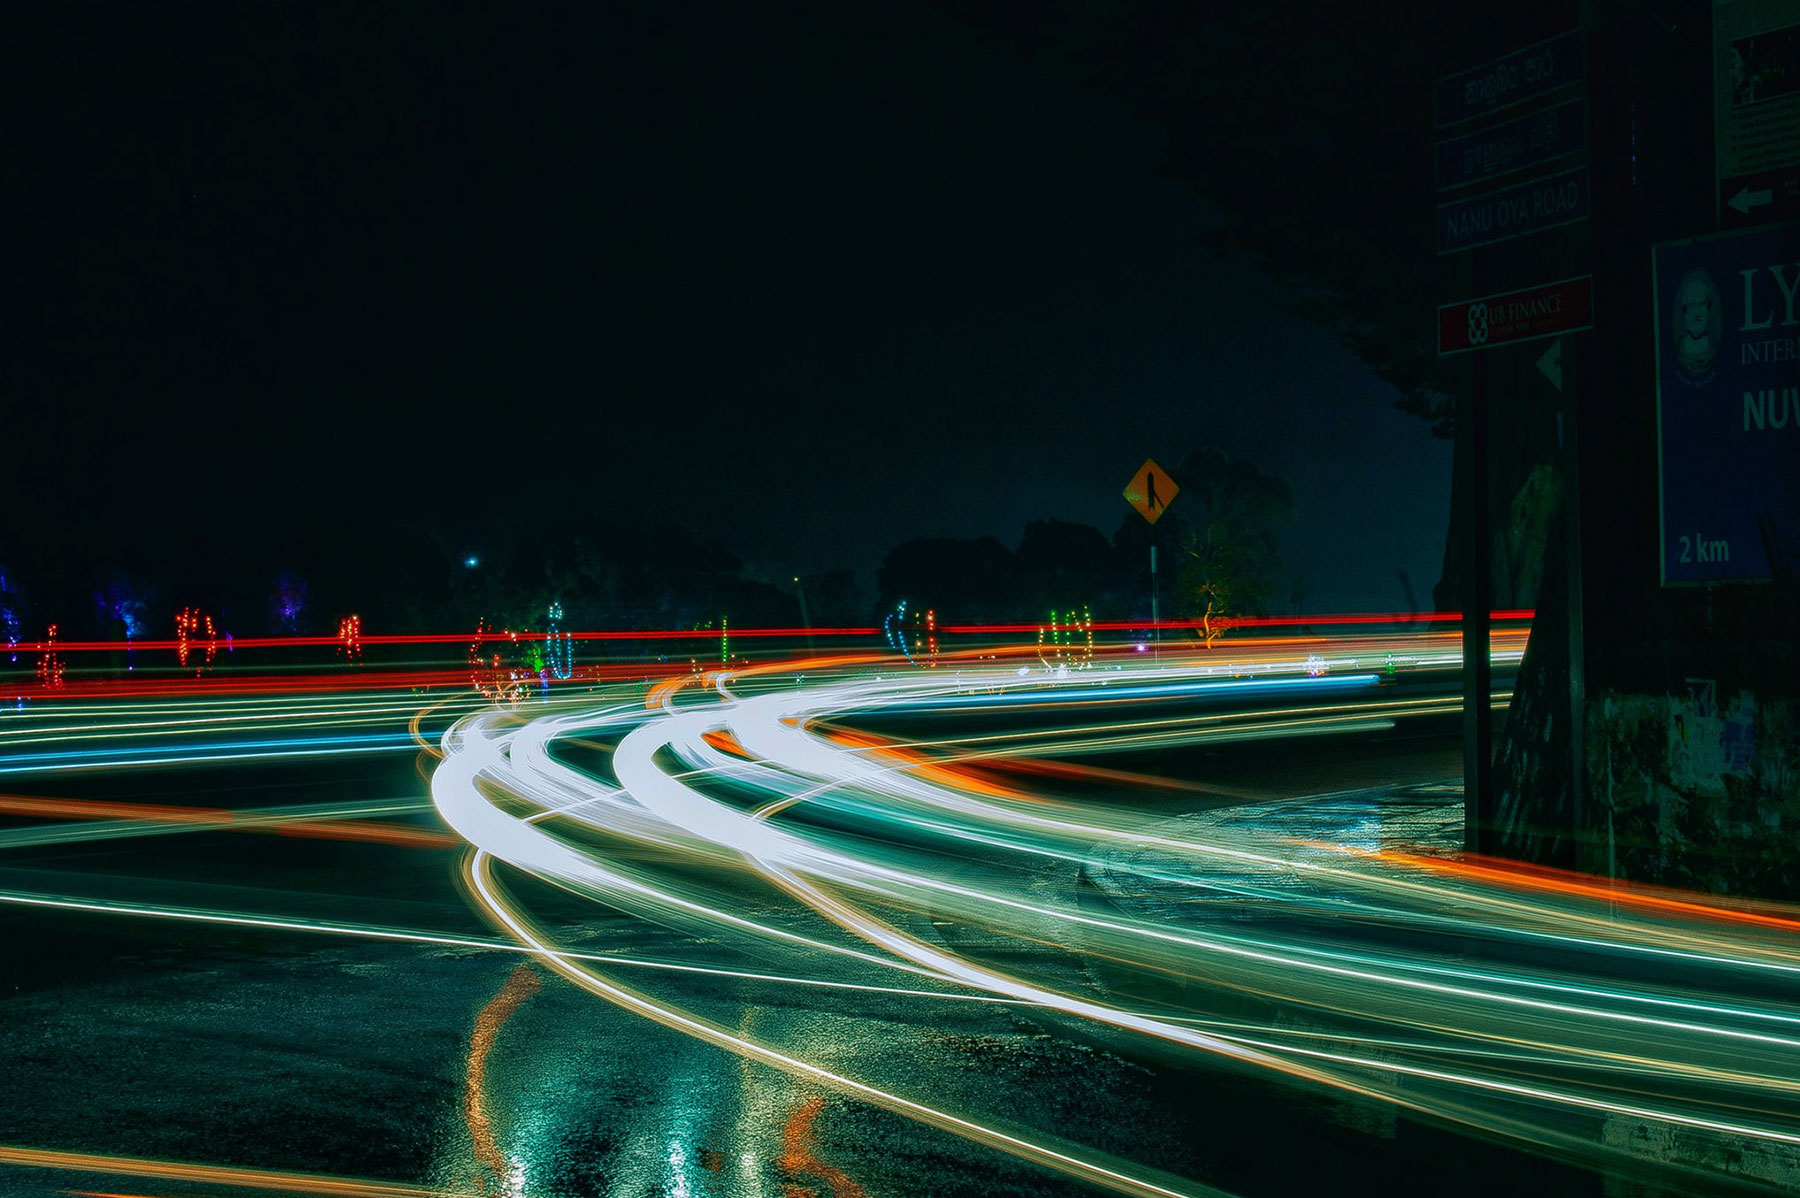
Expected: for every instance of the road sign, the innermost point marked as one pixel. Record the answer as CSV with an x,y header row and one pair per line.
x,y
1517,77
1756,111
1150,490
1549,364
1513,145
1728,405
1514,211
1527,315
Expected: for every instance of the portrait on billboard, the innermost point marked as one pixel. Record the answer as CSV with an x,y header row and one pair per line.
x,y
1697,323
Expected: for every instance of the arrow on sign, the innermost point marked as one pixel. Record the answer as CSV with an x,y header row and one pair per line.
x,y
1549,364
1746,199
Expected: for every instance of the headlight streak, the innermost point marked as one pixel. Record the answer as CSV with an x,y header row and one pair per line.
x,y
210,729
750,782
1090,1170
448,940
521,843
346,820
219,1175
1658,1035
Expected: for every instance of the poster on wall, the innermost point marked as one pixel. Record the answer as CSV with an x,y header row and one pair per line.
x,y
1728,406
1756,110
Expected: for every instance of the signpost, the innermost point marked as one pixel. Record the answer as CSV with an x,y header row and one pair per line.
x,y
1546,136
1510,212
1549,365
1522,75
1727,323
1150,491
1756,111
1529,140
1544,311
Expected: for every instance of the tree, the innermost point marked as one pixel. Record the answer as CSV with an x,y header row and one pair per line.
x,y
1062,564
972,580
1230,557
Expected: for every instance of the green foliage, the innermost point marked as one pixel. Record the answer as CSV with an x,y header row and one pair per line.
x,y
1229,552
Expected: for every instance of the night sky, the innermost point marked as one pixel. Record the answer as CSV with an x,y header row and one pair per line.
x,y
811,284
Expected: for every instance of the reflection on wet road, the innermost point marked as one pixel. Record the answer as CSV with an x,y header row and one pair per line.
x,y
856,927
1518,1004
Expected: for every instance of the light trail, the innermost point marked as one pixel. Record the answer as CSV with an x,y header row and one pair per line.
x,y
274,923
218,1175
1087,1167
770,812
1642,1019
87,735
118,821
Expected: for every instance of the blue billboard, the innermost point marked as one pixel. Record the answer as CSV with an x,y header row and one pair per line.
x,y
1728,405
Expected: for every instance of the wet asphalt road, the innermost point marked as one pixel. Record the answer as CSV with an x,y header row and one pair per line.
x,y
467,1069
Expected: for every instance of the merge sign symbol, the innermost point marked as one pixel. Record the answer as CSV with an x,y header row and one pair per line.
x,y
1150,490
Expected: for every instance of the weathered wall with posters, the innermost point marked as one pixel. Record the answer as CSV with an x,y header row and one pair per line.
x,y
1700,789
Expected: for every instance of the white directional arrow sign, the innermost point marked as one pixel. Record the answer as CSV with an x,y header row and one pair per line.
x,y
1746,199
1549,363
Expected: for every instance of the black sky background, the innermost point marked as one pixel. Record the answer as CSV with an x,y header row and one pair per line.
x,y
811,283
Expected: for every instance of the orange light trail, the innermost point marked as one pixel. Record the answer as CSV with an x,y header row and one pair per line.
x,y
1687,904
372,831
520,986
219,1175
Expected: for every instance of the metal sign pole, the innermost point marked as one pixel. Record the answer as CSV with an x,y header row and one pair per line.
x,y
1155,616
1150,491
1478,712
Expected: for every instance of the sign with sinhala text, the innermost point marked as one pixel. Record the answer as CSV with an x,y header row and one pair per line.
x,y
1528,140
1756,111
1728,405
1526,315
1150,490
1517,77
1514,211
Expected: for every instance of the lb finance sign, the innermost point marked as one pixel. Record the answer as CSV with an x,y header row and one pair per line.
x,y
1545,311
1728,406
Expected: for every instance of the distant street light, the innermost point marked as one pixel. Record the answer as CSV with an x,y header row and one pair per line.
x,y
805,619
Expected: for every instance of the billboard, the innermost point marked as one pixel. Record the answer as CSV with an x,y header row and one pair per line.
x,y
1728,405
1756,110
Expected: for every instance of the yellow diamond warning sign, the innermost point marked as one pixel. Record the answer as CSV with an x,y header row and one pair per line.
x,y
1150,490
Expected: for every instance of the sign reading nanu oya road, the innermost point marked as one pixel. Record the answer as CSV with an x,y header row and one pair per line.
x,y
1513,211
1544,311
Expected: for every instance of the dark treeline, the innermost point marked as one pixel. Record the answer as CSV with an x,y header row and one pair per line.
x,y
1217,550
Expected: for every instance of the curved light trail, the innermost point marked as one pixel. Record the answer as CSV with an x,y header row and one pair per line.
x,y
756,810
